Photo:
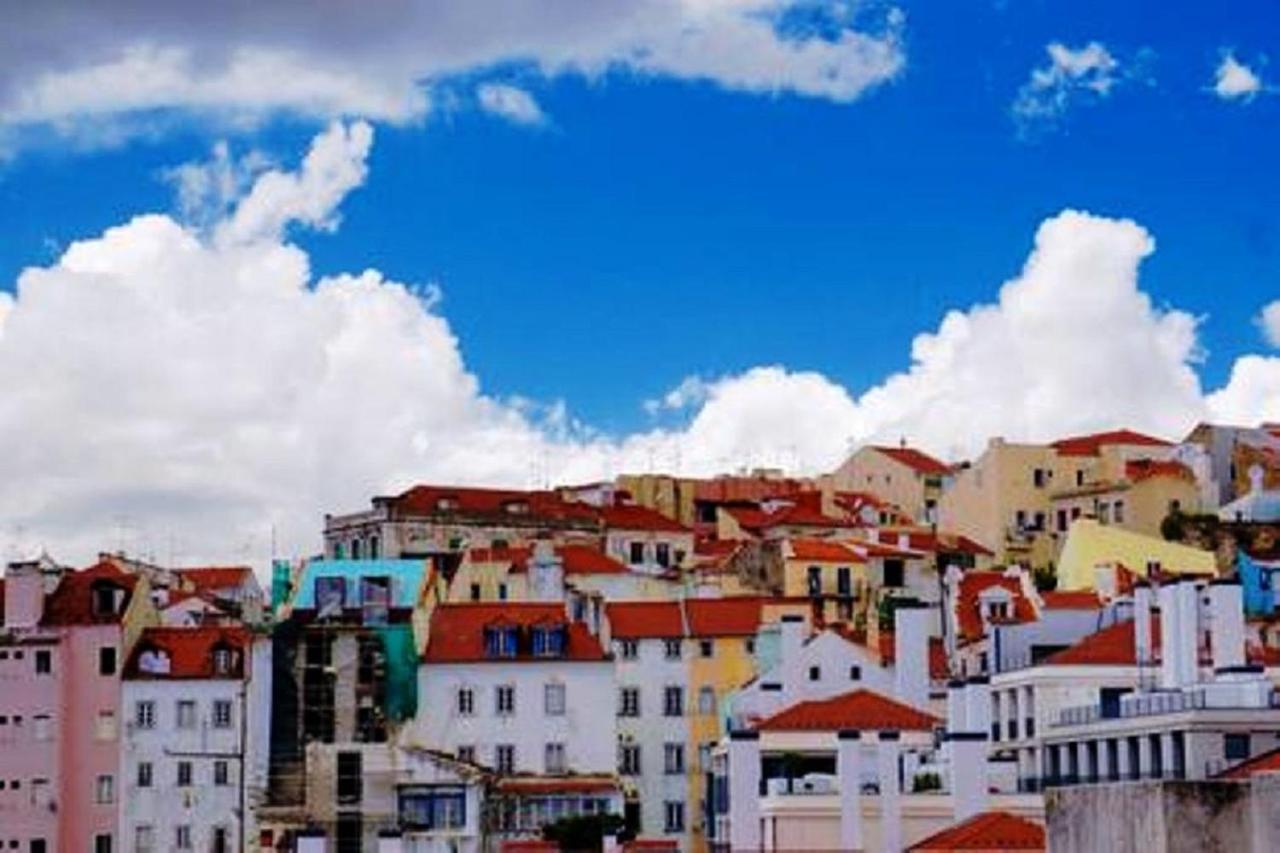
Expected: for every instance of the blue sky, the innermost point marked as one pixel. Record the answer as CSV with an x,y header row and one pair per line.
x,y
658,228
697,196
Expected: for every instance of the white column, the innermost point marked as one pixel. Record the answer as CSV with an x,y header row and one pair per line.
x,y
911,653
1226,606
1122,756
791,637
1166,755
849,769
1142,622
969,788
890,793
1170,637
1144,756
744,790
1188,628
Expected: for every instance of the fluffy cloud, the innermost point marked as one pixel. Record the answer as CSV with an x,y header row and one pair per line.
x,y
509,102
1089,72
93,68
1235,81
189,391
1269,322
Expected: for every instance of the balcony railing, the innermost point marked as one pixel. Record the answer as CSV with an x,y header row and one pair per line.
x,y
1152,704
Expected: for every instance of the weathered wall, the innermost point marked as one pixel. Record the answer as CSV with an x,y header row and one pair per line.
x,y
1149,817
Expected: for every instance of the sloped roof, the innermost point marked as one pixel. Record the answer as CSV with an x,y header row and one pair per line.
x,y
575,559
968,611
1267,762
1081,599
190,651
823,551
858,709
799,514
987,831
1112,646
1092,444
216,577
449,500
71,603
925,540
457,632
634,517
636,620
737,616
916,460
1138,470
1091,544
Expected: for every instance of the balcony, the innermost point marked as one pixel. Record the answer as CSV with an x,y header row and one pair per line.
x,y
1154,704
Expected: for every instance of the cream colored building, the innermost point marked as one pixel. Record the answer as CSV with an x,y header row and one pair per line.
x,y
912,480
1005,498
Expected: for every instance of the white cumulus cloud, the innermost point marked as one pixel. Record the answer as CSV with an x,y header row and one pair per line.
x,y
510,102
1072,74
1235,81
187,392
1269,322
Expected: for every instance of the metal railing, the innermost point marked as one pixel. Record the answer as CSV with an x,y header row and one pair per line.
x,y
1153,704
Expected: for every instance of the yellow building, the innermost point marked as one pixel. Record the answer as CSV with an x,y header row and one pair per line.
x,y
910,479
1091,545
1139,501
1004,499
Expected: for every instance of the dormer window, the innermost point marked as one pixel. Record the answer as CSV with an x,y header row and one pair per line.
x,y
154,661
549,641
331,596
106,599
224,660
500,641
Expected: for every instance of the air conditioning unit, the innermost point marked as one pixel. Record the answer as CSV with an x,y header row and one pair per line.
x,y
817,783
777,786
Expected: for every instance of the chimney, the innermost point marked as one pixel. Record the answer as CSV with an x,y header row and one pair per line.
x,y
1142,623
791,635
23,595
890,793
1169,635
957,710
849,770
911,652
977,700
1226,621
744,790
1188,632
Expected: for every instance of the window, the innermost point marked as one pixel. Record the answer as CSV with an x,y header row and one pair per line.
x,y
1117,512
706,701
749,644
505,700
222,661
674,816
221,772
44,662
855,673
144,715
707,648
1104,512
475,592
1040,477
43,726
549,641
673,701
144,774
815,580
182,837
38,845
355,549
673,758
673,649
107,660
504,758
662,554
466,701
106,728
467,753
844,581
1062,521
815,673
102,843
629,702
1235,747
636,555
350,787
895,573
222,713
104,790
502,592
629,649
553,699
629,759
144,838
374,549
1175,506
186,714
553,758
500,641
184,774
1020,519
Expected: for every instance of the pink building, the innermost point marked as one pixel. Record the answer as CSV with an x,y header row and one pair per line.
x,y
63,642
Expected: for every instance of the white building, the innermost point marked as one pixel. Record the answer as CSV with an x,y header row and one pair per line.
x,y
526,691
194,752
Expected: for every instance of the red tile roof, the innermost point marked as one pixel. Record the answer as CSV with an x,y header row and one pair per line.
x,y
576,559
642,845
632,517
1112,646
1092,444
457,631
916,460
823,551
1081,599
71,603
636,620
724,617
190,651
1267,762
858,709
726,489
988,831
427,500
972,584
1138,470
947,543
878,549
214,578
755,519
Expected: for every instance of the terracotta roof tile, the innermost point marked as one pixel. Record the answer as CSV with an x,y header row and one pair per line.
x,y
972,584
858,709
636,620
1080,599
757,519
1112,646
1092,444
71,603
457,500
1138,470
947,543
916,460
724,617
216,577
823,551
457,632
632,517
1267,762
190,652
987,831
